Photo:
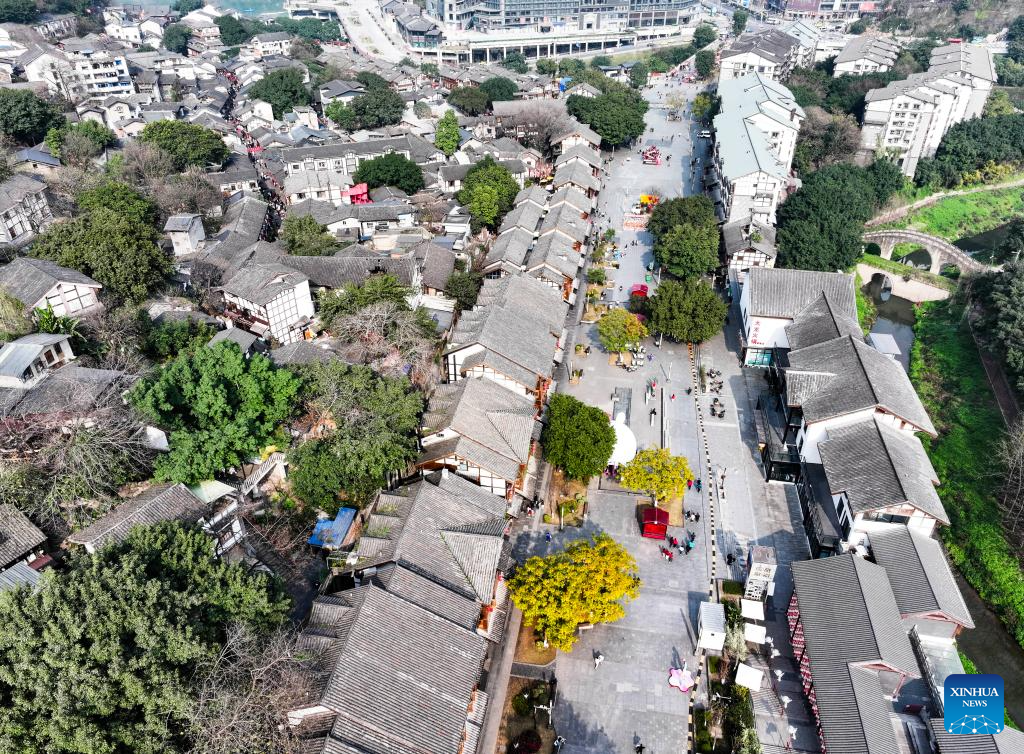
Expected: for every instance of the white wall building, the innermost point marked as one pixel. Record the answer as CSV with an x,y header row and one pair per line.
x,y
865,54
771,53
270,300
910,117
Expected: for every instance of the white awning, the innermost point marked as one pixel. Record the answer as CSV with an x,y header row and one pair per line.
x,y
625,444
749,677
754,633
752,609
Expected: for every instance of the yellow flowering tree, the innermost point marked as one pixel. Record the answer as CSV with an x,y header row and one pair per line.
x,y
657,471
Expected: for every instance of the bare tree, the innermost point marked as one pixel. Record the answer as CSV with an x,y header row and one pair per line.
x,y
142,164
187,192
79,150
391,338
1010,452
63,465
244,694
120,333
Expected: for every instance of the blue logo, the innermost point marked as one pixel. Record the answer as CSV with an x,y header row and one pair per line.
x,y
973,703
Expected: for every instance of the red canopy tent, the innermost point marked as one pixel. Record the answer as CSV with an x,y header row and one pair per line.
x,y
639,289
654,523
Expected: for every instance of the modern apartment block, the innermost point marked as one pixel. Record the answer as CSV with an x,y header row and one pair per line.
x,y
825,10
908,118
867,55
755,136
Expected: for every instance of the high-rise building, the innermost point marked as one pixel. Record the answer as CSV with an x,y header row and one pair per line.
x,y
551,14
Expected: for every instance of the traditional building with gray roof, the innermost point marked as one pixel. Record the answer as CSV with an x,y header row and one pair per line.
x,y
19,537
39,283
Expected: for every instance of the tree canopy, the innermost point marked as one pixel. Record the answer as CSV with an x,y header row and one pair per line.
x,y
489,191
658,472
391,170
970,146
820,226
220,408
619,328
283,89
689,210
25,118
101,657
688,311
499,89
375,420
96,135
577,438
825,139
186,143
639,74
446,135
379,106
617,115
586,583
704,35
117,250
739,20
515,61
176,38
704,63
343,115
690,249
464,287
1002,294
18,11
305,237
120,198
351,297
469,99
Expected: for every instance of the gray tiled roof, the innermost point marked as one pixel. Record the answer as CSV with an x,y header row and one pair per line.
x,y
18,355
769,43
556,251
436,264
510,247
525,215
19,574
399,677
566,220
736,237
310,352
588,154
444,528
576,174
920,576
784,293
571,195
862,378
18,535
336,271
161,502
1009,741
863,626
241,338
495,426
262,283
29,280
820,321
17,187
535,194
876,49
70,389
419,149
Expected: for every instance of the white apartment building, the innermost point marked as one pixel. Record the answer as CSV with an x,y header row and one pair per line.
x,y
81,73
132,28
271,43
866,55
910,117
755,137
771,53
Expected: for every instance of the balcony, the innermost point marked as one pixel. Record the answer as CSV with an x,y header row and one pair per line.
x,y
780,460
821,523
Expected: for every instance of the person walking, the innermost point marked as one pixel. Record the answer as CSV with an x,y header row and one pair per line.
x,y
598,659
689,484
639,749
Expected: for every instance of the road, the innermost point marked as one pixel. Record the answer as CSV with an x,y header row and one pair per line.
x,y
369,32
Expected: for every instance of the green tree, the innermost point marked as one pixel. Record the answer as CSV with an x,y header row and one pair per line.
x,y
617,116
704,35
515,61
186,143
430,69
998,103
96,134
391,170
376,419
25,118
739,21
499,89
378,107
351,297
13,321
639,74
657,64
121,199
619,328
1013,244
705,106
489,191
117,251
343,115
172,337
691,210
658,472
689,312
547,67
600,61
689,251
101,657
371,80
303,236
704,63
176,38
220,408
185,7
446,135
586,583
18,11
283,89
577,438
469,99
235,31
825,139
464,287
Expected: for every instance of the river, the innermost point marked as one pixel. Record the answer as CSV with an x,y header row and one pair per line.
x,y
988,644
249,7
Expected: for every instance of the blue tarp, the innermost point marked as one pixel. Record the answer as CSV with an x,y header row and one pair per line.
x,y
331,534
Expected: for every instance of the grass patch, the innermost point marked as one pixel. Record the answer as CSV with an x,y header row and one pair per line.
x,y
970,667
867,312
732,588
948,375
902,270
955,217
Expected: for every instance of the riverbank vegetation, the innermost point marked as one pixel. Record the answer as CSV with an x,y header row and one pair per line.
x,y
955,217
906,271
948,375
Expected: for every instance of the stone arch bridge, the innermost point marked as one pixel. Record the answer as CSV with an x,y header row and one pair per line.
x,y
941,251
